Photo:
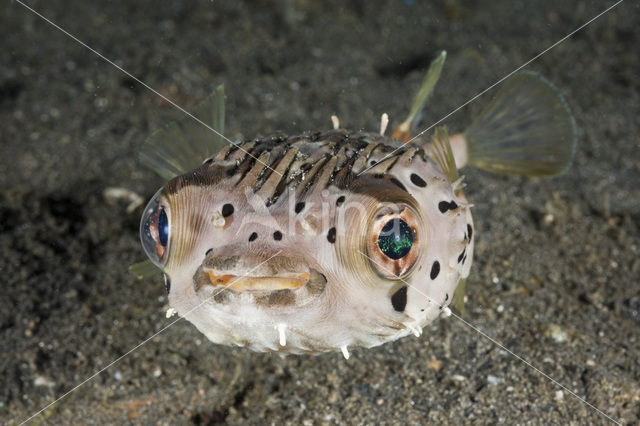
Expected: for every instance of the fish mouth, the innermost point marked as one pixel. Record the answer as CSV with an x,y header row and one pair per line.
x,y
257,284
251,273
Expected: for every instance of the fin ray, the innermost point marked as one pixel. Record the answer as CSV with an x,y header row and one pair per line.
x,y
183,145
443,154
403,131
458,296
526,129
144,269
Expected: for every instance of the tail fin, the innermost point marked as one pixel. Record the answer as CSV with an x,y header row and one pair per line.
x,y
527,129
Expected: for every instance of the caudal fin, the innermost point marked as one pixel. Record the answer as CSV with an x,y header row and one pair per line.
x,y
527,129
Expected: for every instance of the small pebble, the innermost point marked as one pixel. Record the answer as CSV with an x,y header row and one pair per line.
x,y
493,380
42,381
557,333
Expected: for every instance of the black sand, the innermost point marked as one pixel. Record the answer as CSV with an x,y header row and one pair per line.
x,y
556,272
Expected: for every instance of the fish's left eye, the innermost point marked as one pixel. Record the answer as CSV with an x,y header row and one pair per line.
x,y
394,240
155,230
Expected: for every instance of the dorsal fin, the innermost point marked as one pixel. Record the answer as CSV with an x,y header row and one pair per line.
x,y
403,131
183,145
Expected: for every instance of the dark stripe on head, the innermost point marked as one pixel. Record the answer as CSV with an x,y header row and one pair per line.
x,y
397,183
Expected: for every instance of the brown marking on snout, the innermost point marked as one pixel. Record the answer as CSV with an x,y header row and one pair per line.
x,y
277,298
317,283
221,263
201,278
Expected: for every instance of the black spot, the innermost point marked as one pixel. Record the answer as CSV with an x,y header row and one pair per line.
x,y
299,207
446,297
253,236
443,206
331,235
208,252
378,176
435,270
398,183
340,200
227,210
469,231
208,160
417,180
373,162
277,235
399,299
464,258
462,255
167,283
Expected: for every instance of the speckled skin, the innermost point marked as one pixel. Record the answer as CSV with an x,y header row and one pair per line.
x,y
346,302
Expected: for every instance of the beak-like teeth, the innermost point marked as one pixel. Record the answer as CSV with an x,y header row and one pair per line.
x,y
258,284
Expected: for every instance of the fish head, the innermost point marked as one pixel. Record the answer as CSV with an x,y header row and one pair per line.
x,y
348,263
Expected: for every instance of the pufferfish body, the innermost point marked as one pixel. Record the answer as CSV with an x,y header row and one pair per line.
x,y
328,240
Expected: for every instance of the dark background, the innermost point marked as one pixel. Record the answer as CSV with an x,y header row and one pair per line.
x,y
556,270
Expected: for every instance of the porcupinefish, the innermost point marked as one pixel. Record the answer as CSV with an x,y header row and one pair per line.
x,y
328,240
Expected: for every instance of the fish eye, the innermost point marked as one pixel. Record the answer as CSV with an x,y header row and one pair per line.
x,y
155,230
394,241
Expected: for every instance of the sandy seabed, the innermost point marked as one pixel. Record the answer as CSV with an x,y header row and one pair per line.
x,y
557,264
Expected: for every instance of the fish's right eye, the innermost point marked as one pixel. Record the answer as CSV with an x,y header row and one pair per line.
x,y
155,230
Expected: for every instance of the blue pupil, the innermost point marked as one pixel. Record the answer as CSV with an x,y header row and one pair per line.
x,y
163,228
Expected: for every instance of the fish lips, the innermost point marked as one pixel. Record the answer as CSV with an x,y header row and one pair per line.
x,y
255,273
